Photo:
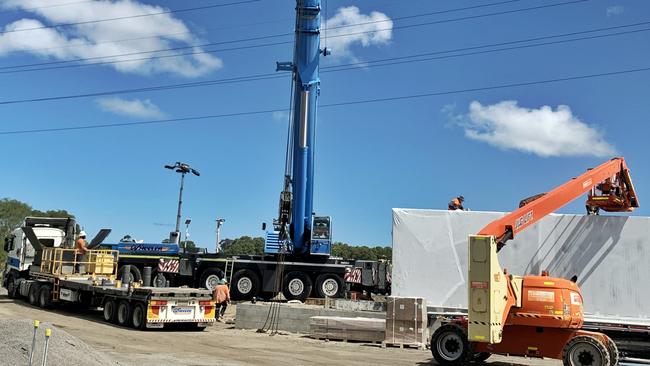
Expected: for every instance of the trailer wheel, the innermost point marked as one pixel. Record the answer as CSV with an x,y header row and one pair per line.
x,y
612,349
450,346
210,278
32,296
245,285
134,275
124,310
329,285
139,316
297,286
12,288
481,357
110,310
45,297
585,351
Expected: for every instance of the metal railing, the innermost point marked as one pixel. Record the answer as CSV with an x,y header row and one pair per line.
x,y
70,262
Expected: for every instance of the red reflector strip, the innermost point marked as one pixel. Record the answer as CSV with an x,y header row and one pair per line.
x,y
158,302
206,303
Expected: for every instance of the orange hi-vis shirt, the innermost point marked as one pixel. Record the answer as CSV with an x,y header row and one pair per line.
x,y
221,294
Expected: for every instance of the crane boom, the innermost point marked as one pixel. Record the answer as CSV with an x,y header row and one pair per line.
x,y
609,186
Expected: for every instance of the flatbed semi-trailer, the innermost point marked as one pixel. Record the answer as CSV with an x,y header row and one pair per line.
x,y
49,276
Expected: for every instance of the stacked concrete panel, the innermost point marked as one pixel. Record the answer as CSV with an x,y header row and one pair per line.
x,y
609,255
347,329
292,318
406,321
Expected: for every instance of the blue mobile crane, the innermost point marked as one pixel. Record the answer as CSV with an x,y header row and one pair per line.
x,y
297,251
298,231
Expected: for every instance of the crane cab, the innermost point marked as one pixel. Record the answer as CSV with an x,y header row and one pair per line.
x,y
321,236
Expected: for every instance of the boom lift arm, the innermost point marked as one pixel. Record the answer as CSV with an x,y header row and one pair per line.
x,y
610,189
498,299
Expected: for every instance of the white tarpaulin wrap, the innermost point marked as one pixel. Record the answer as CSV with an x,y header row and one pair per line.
x,y
609,254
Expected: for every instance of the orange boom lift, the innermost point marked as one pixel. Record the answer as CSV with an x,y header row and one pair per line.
x,y
535,316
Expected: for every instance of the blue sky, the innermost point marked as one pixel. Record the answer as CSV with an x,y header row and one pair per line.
x,y
416,153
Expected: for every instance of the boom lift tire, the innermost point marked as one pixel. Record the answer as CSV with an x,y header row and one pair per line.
x,y
12,288
329,285
296,286
210,278
481,357
612,349
45,297
110,310
450,346
245,285
124,310
139,316
585,351
134,274
32,296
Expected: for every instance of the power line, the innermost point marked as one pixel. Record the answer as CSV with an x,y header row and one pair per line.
x,y
350,66
405,59
274,36
131,16
334,105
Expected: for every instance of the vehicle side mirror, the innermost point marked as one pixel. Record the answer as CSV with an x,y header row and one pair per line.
x,y
264,226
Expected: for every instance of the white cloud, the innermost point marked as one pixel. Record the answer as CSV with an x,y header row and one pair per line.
x,y
615,10
373,29
543,131
130,107
94,39
282,116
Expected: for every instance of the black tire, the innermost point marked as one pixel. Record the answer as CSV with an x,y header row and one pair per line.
x,y
329,285
612,349
45,297
123,316
110,310
158,279
450,346
32,296
134,274
210,277
139,316
245,285
296,286
12,288
481,357
585,351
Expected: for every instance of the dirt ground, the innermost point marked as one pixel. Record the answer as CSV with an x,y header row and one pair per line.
x,y
219,344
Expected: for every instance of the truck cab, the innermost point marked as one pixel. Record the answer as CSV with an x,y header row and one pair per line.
x,y
20,252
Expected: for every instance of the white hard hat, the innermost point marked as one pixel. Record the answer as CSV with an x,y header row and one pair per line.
x,y
82,233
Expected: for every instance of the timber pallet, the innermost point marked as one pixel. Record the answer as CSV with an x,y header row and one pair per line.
x,y
416,345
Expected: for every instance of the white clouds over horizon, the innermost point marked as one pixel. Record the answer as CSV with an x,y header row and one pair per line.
x,y
93,40
141,108
372,29
543,131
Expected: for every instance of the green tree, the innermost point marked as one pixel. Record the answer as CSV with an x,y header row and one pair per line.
x,y
244,245
353,252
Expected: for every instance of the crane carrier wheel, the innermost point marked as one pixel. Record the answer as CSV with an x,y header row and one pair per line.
x,y
585,350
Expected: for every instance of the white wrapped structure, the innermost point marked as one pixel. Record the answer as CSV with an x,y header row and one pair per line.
x,y
609,254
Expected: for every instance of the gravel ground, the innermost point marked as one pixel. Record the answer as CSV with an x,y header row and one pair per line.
x,y
64,349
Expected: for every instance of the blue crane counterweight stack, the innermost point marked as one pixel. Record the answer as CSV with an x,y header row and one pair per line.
x,y
297,230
